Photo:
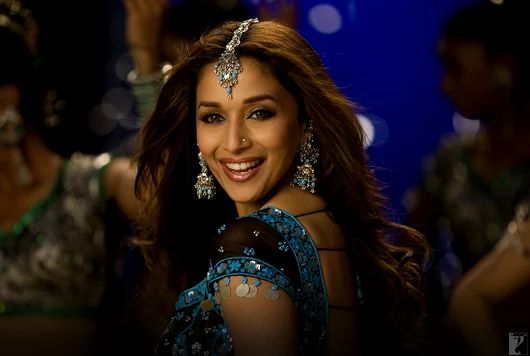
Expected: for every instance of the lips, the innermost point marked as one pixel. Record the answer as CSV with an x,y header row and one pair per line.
x,y
240,170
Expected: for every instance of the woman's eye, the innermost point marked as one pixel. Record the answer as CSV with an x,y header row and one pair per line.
x,y
261,114
212,118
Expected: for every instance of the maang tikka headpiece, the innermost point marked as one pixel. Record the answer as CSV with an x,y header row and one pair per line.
x,y
228,66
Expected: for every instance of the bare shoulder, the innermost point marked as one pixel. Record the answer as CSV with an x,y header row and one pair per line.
x,y
312,212
255,319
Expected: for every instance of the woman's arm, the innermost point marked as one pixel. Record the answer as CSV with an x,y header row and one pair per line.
x,y
498,276
118,181
143,31
260,325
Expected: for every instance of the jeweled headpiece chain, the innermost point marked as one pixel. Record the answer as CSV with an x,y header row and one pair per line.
x,y
228,67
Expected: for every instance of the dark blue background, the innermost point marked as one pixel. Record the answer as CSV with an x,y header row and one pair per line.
x,y
384,59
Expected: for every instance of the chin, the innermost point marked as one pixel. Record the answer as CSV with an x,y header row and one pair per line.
x,y
471,115
471,112
245,198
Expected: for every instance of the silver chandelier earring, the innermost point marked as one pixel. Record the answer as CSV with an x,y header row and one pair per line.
x,y
305,177
205,186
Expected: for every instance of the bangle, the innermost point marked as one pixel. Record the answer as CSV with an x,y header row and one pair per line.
x,y
133,76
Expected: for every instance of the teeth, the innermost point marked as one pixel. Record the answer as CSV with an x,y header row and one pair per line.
x,y
241,166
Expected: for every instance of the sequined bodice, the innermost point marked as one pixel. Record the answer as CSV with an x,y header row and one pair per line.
x,y
465,215
268,245
52,261
469,214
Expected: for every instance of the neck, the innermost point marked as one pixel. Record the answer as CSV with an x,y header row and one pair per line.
x,y
502,144
41,163
508,132
292,199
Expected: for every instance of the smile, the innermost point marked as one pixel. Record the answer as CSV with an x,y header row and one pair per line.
x,y
239,167
241,171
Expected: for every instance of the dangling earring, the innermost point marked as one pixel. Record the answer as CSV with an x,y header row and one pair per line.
x,y
205,186
304,177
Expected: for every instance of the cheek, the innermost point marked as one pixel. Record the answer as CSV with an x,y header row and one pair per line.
x,y
285,142
206,143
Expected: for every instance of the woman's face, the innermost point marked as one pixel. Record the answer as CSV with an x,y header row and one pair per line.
x,y
471,78
250,142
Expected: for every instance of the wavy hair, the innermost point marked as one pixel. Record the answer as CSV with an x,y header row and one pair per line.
x,y
388,257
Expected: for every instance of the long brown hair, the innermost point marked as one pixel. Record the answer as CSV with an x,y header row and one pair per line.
x,y
390,275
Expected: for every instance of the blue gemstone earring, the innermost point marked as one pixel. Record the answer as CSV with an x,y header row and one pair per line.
x,y
305,177
205,185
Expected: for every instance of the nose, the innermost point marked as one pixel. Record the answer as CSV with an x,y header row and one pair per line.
x,y
236,136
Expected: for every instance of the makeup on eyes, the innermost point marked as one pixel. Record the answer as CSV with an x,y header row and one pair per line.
x,y
260,114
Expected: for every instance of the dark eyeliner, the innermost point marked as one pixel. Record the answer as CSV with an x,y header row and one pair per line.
x,y
208,118
266,114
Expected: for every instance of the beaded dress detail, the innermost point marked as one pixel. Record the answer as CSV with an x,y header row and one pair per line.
x,y
268,245
52,261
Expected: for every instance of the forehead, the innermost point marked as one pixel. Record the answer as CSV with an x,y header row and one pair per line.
x,y
256,78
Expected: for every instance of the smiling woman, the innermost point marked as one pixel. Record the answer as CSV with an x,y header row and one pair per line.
x,y
306,262
249,142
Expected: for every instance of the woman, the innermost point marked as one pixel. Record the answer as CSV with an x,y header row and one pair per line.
x,y
53,257
489,308
310,265
473,183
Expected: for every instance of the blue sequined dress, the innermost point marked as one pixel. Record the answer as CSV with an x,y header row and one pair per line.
x,y
267,245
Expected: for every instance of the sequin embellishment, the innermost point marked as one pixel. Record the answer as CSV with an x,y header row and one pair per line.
x,y
242,289
273,293
199,314
225,292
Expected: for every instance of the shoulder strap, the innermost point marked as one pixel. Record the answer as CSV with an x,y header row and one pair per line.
x,y
311,212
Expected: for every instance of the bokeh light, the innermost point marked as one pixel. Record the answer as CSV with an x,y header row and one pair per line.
x,y
117,103
368,128
325,18
100,124
123,66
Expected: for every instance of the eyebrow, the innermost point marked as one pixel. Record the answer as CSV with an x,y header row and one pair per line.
x,y
250,100
256,98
